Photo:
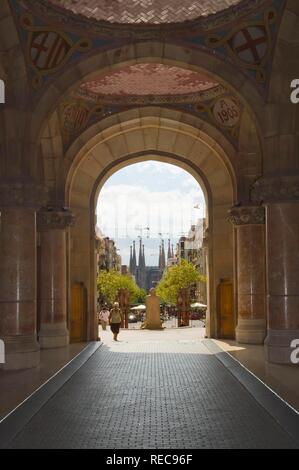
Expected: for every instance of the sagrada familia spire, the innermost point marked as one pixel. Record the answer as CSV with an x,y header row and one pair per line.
x,y
138,271
133,262
162,260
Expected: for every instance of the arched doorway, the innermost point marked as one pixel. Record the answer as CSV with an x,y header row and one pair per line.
x,y
204,161
212,137
151,224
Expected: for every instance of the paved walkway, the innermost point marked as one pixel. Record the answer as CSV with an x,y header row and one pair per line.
x,y
158,390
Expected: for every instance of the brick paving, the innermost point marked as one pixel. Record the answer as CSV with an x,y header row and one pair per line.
x,y
153,390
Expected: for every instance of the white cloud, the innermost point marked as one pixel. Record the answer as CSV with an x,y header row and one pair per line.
x,y
154,167
149,194
122,208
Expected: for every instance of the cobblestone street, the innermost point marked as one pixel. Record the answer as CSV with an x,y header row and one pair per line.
x,y
160,389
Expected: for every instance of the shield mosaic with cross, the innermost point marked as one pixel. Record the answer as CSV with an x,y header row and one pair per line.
x,y
48,49
250,44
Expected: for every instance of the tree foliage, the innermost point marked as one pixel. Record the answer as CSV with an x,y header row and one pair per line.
x,y
108,284
141,296
177,277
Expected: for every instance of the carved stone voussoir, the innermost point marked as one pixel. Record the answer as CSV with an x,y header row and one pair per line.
x,y
54,219
276,189
247,215
22,194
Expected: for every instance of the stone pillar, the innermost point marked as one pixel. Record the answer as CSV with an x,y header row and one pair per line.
x,y
281,198
18,275
52,225
251,279
206,248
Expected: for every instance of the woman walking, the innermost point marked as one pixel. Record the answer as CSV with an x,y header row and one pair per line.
x,y
104,317
115,319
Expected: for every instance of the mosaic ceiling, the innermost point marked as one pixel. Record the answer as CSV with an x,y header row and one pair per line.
x,y
149,79
145,11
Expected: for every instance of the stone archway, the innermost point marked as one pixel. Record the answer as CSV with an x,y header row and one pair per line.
x,y
243,172
152,138
264,157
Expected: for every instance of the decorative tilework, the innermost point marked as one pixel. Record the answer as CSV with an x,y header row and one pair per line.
x,y
149,79
216,106
145,11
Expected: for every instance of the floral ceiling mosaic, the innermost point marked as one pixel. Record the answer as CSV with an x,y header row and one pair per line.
x,y
145,11
148,79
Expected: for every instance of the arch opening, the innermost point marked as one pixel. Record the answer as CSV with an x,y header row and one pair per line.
x,y
151,221
103,157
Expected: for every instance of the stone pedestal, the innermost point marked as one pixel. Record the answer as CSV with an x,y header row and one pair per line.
x,y
251,286
152,319
52,225
281,198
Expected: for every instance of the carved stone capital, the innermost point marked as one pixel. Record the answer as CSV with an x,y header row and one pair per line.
x,y
54,219
247,215
276,189
22,194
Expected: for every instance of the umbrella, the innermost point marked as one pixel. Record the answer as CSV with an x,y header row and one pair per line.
x,y
139,307
198,305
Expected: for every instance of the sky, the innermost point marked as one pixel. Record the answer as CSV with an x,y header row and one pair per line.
x,y
150,199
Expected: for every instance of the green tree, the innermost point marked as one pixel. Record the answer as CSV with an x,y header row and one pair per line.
x,y
141,296
177,277
108,284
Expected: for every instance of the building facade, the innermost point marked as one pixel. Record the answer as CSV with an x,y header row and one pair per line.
x,y
211,95
191,248
107,255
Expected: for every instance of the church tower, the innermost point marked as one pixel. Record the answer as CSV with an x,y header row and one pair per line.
x,y
163,262
160,256
134,262
169,250
131,259
143,257
141,273
140,254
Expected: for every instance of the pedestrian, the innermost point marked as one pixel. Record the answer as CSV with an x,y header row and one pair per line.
x,y
115,319
104,317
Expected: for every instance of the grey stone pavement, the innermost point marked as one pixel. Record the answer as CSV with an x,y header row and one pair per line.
x,y
152,390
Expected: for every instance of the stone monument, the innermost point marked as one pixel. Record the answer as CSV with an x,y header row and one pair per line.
x,y
152,318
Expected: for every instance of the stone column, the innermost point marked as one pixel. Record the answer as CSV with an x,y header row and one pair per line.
x,y
281,198
251,279
18,275
206,255
52,225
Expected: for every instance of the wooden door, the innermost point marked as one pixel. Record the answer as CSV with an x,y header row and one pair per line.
x,y
225,309
78,313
